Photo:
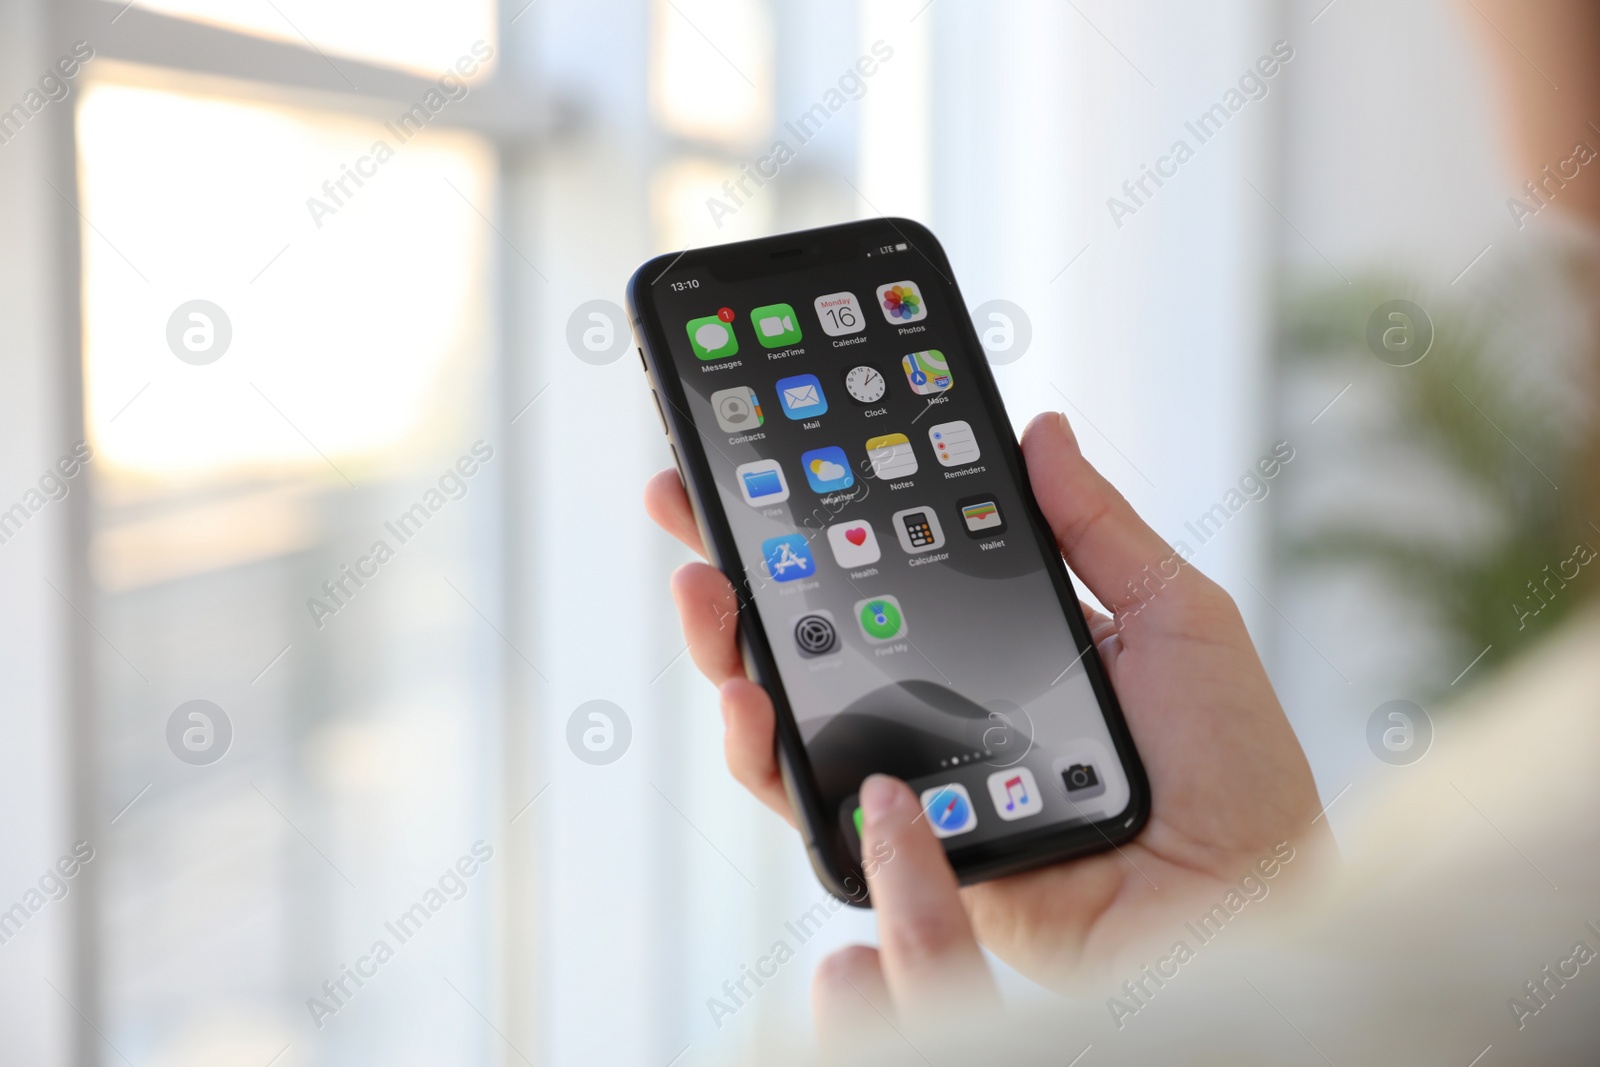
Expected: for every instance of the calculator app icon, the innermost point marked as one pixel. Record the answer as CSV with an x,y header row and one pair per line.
x,y
918,530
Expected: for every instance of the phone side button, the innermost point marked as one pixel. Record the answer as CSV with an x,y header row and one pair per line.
x,y
642,364
659,413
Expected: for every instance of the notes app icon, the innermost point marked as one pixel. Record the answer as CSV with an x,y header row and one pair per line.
x,y
1015,793
891,456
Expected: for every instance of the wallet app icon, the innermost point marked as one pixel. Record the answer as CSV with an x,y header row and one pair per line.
x,y
801,396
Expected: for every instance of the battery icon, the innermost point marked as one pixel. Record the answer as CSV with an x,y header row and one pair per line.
x,y
901,247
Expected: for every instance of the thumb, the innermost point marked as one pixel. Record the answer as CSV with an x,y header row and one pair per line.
x,y
1104,540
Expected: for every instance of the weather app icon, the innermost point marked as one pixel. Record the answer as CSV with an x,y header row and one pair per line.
x,y
827,469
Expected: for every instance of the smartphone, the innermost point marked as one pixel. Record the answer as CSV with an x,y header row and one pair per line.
x,y
853,472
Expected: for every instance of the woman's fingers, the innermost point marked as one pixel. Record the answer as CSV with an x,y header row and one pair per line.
x,y
1105,541
849,1001
747,743
709,612
668,504
926,946
710,616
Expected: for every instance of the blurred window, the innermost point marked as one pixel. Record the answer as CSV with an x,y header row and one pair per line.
x,y
416,35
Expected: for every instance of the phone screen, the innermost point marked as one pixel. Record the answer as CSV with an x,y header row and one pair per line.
x,y
882,530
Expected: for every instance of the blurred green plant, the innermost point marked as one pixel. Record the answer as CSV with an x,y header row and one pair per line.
x,y
1510,437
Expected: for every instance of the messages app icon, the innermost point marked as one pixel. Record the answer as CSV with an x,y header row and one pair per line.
x,y
712,337
801,396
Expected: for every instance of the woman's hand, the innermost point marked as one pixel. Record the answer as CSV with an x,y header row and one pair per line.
x,y
1228,779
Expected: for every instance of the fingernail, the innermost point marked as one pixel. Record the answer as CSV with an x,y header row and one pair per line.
x,y
879,795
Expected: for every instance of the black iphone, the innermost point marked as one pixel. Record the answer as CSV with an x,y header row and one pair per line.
x,y
853,472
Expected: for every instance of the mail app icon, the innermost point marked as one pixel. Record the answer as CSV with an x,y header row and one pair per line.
x,y
801,396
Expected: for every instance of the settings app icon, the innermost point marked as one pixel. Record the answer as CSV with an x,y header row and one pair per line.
x,y
815,634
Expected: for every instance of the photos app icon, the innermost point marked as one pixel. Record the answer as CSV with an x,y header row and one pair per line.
x,y
902,302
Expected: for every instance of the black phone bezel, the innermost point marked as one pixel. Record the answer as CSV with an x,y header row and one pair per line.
x,y
826,842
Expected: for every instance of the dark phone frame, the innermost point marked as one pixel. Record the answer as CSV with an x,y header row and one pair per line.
x,y
826,842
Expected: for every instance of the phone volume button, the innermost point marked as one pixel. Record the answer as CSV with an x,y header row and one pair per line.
x,y
659,413
642,364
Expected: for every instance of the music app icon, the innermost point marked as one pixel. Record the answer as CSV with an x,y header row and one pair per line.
x,y
1015,794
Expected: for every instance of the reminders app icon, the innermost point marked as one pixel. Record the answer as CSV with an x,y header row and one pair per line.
x,y
762,483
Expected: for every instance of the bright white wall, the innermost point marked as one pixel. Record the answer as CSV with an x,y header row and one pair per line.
x,y
35,828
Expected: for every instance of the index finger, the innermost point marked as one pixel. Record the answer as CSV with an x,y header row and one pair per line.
x,y
668,504
925,939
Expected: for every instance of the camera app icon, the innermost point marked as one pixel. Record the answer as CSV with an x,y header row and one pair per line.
x,y
1082,781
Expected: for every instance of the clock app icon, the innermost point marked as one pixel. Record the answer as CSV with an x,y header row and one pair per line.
x,y
866,385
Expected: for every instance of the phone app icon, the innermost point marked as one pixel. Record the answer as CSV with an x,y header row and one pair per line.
x,y
712,337
949,809
801,396
827,469
854,544
762,483
788,557
928,372
891,456
737,409
776,326
840,314
1015,793
881,619
815,634
902,302
982,517
918,530
954,443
